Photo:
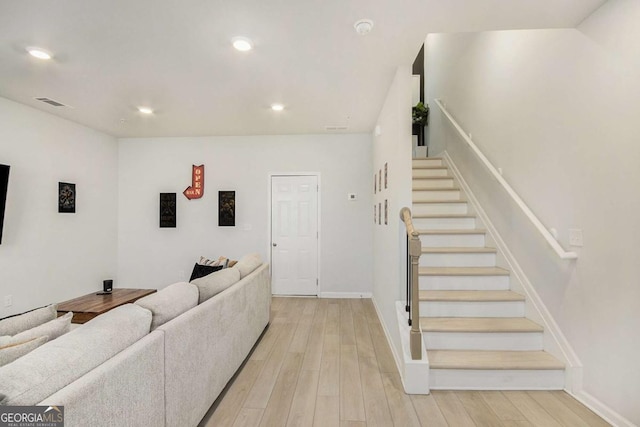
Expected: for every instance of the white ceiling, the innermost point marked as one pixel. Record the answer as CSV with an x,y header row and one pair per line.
x,y
112,56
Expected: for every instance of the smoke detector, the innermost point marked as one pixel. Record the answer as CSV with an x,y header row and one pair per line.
x,y
363,26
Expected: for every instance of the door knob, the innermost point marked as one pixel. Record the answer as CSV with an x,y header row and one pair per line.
x,y
274,244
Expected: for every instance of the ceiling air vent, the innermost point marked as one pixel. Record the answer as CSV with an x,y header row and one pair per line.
x,y
335,128
51,102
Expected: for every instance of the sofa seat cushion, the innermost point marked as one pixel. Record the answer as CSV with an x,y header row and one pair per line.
x,y
214,283
170,302
15,324
247,264
38,374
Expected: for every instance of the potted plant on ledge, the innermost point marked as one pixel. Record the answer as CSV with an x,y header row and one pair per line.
x,y
420,115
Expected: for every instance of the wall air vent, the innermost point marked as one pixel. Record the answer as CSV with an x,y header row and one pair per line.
x,y
51,102
336,128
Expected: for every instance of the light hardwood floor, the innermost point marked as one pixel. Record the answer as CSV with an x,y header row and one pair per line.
x,y
325,362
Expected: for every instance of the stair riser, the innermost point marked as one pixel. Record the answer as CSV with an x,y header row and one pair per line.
x,y
490,379
444,223
423,184
432,195
464,283
427,162
438,208
472,309
428,173
458,260
452,240
515,341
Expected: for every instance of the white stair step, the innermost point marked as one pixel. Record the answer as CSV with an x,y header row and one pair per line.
x,y
449,207
453,238
428,162
481,333
471,304
495,360
435,194
494,370
464,278
434,182
458,257
444,222
430,172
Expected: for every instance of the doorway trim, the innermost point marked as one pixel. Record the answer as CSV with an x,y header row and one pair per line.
x,y
270,225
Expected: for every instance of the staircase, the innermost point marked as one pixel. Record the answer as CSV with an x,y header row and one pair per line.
x,y
473,325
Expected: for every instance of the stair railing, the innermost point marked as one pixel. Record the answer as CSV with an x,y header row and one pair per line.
x,y
529,214
414,250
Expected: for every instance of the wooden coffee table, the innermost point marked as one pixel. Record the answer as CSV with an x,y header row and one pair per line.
x,y
89,306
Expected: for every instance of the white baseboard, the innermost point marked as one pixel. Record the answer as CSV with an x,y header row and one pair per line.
x,y
345,295
394,351
609,415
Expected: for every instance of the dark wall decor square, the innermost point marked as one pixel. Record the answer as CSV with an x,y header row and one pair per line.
x,y
380,179
67,197
375,214
375,184
226,208
385,175
380,213
386,212
168,210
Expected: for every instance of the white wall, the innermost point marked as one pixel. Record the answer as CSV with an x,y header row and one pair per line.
x,y
557,111
392,146
45,256
151,257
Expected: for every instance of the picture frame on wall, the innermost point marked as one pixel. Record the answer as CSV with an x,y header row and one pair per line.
x,y
380,180
67,197
375,214
386,212
385,176
375,183
168,210
226,208
379,213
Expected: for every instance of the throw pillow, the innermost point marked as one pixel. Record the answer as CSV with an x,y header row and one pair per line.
x,y
215,283
207,261
203,270
247,264
21,322
51,330
169,302
11,353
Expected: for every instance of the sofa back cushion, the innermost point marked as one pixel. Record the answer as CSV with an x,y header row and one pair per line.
x,y
38,374
247,264
52,329
15,324
170,302
14,351
215,283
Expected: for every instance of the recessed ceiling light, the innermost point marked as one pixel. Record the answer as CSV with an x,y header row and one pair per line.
x,y
145,110
277,107
242,44
39,53
363,26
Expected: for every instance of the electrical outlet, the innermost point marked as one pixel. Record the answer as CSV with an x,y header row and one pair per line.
x,y
8,301
575,237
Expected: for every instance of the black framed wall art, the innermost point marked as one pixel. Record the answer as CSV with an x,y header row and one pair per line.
x,y
168,210
67,197
226,208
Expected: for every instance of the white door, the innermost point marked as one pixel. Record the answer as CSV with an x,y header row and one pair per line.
x,y
294,235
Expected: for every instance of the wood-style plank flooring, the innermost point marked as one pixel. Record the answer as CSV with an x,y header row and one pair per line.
x,y
326,362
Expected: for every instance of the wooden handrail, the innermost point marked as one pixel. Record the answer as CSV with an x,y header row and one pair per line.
x,y
510,191
414,252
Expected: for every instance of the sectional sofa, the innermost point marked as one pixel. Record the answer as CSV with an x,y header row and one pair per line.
x,y
151,363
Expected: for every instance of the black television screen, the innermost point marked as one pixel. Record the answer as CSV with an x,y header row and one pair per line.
x,y
4,184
